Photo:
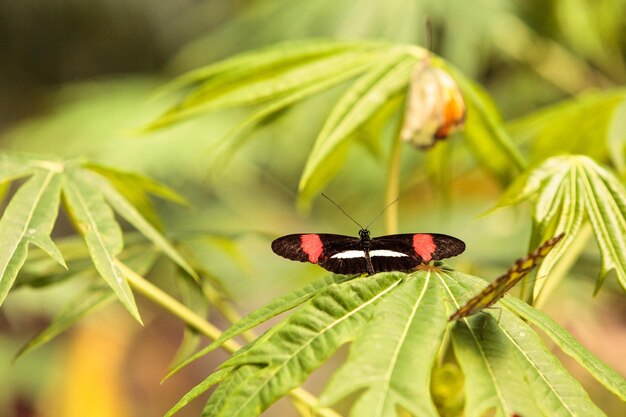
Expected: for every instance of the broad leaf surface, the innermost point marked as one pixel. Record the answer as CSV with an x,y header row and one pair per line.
x,y
397,323
604,374
507,367
567,192
303,342
392,358
14,166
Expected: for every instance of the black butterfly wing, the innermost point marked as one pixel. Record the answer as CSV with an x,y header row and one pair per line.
x,y
316,248
404,252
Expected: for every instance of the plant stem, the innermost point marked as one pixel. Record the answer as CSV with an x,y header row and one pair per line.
x,y
393,186
169,303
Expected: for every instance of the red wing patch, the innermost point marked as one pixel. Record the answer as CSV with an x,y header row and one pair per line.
x,y
424,246
312,246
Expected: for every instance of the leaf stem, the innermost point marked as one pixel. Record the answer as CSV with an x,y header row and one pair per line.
x,y
393,186
169,303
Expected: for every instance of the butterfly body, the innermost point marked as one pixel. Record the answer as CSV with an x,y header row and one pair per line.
x,y
351,255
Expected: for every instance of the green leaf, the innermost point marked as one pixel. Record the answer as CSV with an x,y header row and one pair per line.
x,y
565,213
248,87
94,219
270,59
93,298
566,191
392,358
41,271
137,190
28,218
226,387
363,99
507,367
130,182
18,165
302,342
236,137
604,374
125,209
198,390
276,307
607,218
277,84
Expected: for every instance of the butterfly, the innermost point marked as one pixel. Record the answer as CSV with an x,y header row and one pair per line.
x,y
351,255
496,289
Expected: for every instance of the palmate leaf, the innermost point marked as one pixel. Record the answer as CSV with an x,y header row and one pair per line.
x,y
393,356
507,368
397,323
31,213
28,218
266,75
568,192
279,76
300,344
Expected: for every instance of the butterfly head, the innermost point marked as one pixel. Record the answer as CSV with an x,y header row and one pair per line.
x,y
364,234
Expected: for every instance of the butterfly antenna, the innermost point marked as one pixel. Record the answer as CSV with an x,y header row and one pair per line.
x,y
343,211
381,213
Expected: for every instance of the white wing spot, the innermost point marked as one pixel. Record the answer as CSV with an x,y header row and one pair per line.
x,y
385,252
349,254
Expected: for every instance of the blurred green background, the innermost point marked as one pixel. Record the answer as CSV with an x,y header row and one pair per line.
x,y
78,78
